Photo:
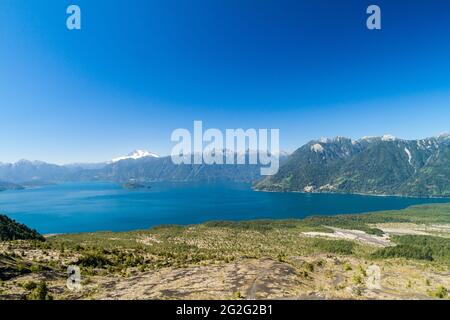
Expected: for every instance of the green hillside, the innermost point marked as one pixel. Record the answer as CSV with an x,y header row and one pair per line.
x,y
12,230
383,166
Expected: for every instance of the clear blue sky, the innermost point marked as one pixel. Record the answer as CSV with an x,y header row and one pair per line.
x,y
139,69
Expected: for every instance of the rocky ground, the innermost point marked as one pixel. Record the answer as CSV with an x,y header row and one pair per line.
x,y
316,277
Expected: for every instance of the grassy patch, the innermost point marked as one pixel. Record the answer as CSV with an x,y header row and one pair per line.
x,y
418,247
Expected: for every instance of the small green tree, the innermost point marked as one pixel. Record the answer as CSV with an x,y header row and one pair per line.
x,y
40,292
441,292
29,285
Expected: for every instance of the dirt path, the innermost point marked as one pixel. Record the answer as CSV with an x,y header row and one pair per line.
x,y
254,287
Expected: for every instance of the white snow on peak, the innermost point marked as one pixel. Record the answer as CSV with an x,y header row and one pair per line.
x,y
409,155
368,138
137,154
388,137
330,140
317,148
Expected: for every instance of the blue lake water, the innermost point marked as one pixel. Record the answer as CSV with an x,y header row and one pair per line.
x,y
81,207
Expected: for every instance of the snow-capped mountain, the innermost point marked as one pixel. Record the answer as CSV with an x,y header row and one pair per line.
x,y
136,154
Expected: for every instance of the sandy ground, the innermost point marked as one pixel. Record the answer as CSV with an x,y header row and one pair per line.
x,y
355,235
442,230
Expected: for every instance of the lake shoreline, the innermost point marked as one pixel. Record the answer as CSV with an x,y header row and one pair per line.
x,y
269,220
25,187
90,207
355,193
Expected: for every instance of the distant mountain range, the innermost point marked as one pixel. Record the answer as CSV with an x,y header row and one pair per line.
x,y
163,169
140,166
136,154
372,165
25,171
